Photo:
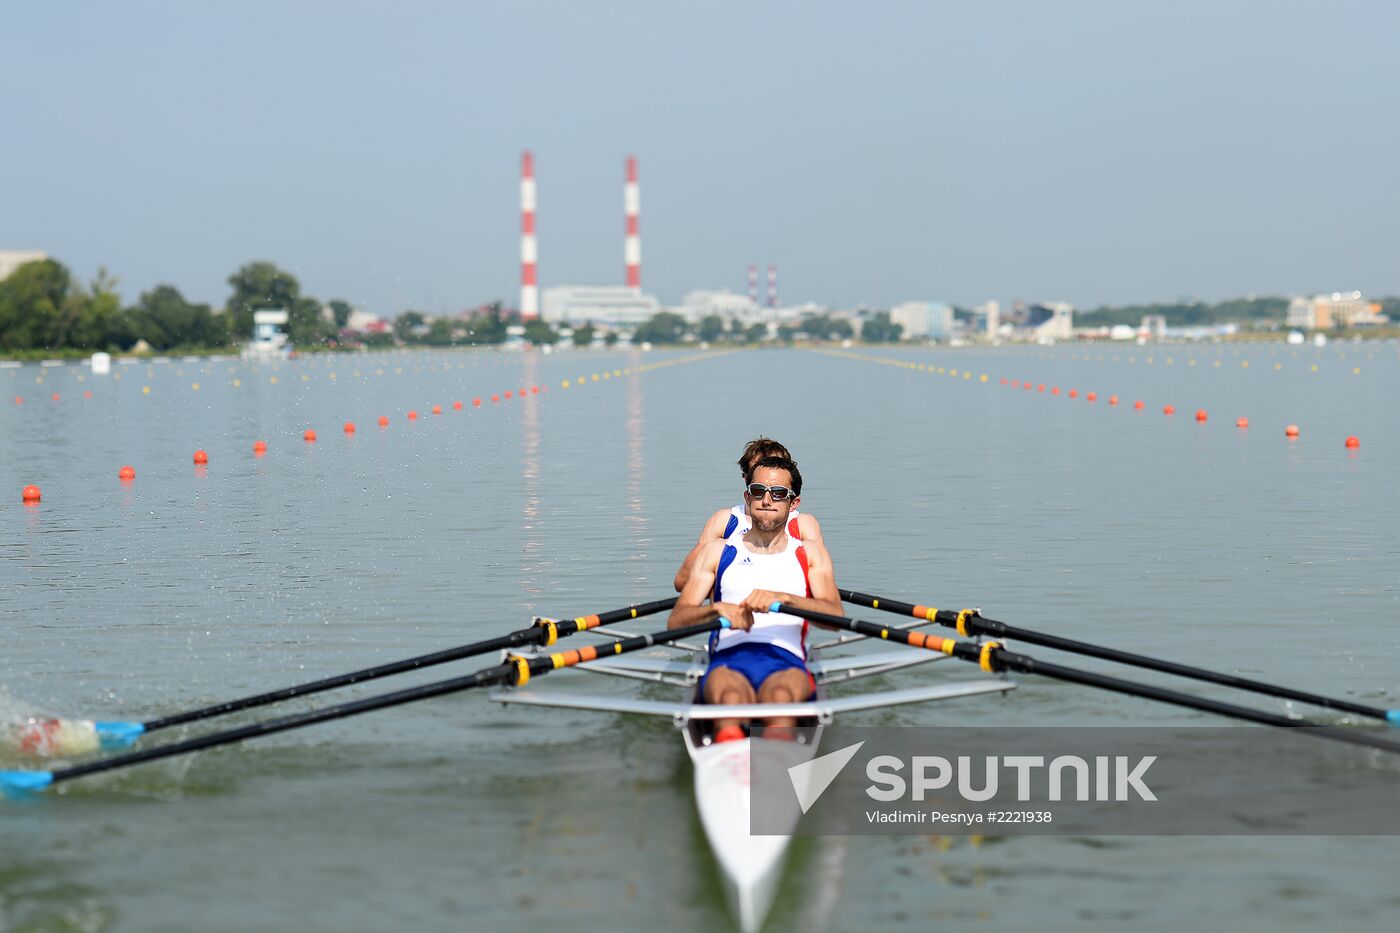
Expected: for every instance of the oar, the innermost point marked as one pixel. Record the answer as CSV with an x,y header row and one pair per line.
x,y
970,622
74,736
993,658
515,671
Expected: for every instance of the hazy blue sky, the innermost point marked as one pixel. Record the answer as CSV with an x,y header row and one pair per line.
x,y
1099,152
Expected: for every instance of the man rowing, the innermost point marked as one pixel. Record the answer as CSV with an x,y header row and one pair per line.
x,y
725,522
762,657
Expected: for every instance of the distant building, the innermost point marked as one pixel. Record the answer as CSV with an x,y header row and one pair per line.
x,y
1153,326
923,319
1301,314
698,305
364,322
1050,321
913,316
1339,309
987,318
12,259
613,306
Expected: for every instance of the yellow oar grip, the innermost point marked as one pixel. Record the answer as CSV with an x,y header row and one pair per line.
x,y
925,612
522,669
585,623
963,616
984,660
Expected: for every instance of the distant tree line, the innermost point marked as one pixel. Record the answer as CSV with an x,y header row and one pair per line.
x,y
44,308
1189,313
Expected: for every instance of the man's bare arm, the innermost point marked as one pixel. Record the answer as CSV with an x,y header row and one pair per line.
x,y
693,606
810,528
713,531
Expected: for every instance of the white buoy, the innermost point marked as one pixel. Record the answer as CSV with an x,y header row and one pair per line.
x,y
101,364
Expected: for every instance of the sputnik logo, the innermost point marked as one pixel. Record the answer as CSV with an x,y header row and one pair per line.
x,y
811,778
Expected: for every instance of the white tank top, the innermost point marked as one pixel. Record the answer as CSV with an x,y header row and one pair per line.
x,y
741,572
739,523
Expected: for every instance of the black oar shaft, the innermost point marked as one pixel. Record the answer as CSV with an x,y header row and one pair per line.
x,y
1026,665
985,626
1000,659
535,635
493,675
507,673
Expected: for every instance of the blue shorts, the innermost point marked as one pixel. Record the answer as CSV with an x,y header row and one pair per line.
x,y
756,660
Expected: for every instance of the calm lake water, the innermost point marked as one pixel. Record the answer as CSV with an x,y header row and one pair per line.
x,y
1235,549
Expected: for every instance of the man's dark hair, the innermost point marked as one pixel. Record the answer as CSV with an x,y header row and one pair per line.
x,y
756,450
777,463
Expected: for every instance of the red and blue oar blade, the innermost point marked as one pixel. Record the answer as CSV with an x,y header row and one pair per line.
x,y
65,738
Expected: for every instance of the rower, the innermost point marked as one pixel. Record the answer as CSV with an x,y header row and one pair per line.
x,y
762,657
726,522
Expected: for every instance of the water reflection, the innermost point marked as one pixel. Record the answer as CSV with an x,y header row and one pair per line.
x,y
636,516
532,563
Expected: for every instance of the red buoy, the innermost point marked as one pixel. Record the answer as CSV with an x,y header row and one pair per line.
x,y
1201,414
476,402
1169,410
31,494
437,409
126,474
1291,431
259,448
1040,387
1003,381
1241,422
55,396
1074,393
309,436
457,405
349,427
1092,396
413,416
200,457
1353,442
535,390
383,421
1113,400
495,398
1139,405
19,399
508,395
1054,390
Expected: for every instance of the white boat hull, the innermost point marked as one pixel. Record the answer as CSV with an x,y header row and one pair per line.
x,y
750,866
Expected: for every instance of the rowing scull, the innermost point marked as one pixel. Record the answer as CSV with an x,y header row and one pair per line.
x,y
751,866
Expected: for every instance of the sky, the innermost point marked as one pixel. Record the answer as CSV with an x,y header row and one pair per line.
x,y
1093,152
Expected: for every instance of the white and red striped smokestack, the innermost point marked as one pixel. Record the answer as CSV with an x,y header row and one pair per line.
x,y
632,246
529,283
753,283
772,286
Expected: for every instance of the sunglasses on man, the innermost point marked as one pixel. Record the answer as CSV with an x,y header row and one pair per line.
x,y
779,493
